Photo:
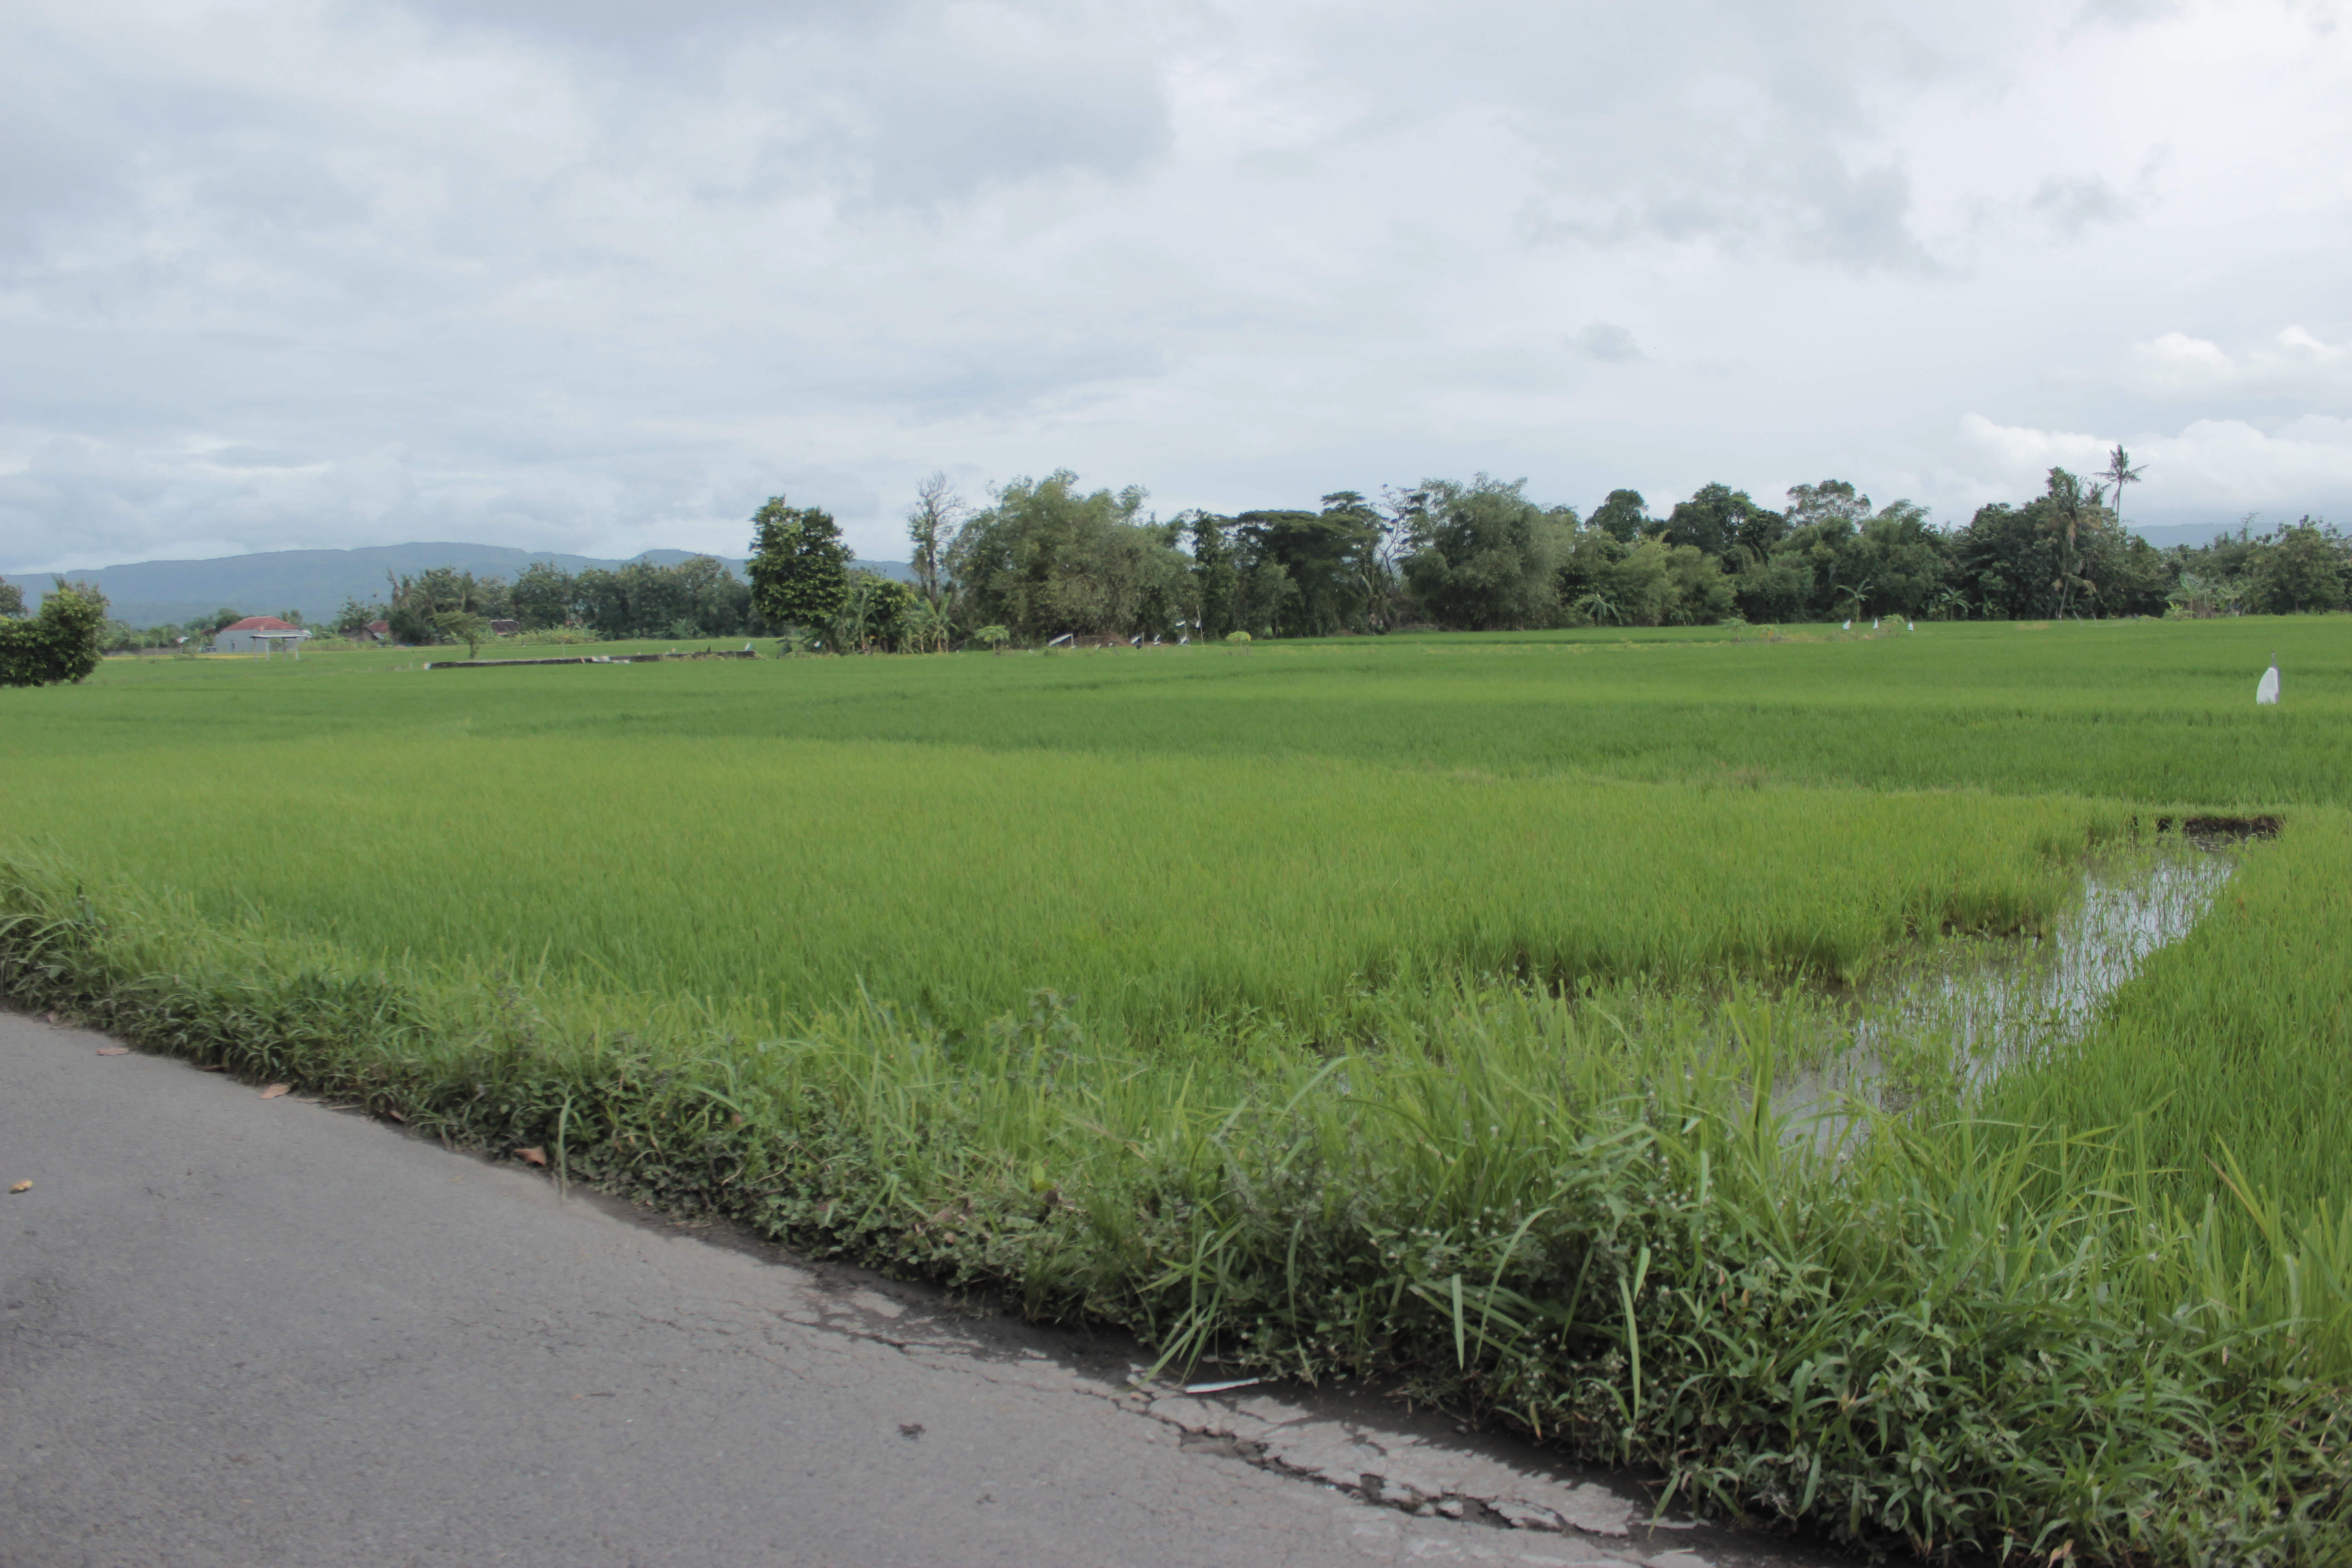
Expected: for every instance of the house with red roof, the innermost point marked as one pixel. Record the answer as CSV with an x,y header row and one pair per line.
x,y
256,633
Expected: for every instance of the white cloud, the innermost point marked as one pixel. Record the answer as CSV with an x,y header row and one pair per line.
x,y
2293,362
603,276
2214,467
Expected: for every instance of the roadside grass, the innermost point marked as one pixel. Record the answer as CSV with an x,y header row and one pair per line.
x,y
1933,1332
1395,1010
2226,1069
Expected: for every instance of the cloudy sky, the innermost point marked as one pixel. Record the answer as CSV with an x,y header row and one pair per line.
x,y
600,275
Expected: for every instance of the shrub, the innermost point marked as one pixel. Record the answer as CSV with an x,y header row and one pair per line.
x,y
63,643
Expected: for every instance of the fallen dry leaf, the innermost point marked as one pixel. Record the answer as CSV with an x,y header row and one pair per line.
x,y
114,1050
535,1156
395,1115
50,1016
21,1187
275,1089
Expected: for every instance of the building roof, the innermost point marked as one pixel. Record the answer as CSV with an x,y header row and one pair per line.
x,y
261,623
379,626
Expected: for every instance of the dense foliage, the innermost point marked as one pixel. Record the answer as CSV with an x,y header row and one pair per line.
x,y
698,597
1046,559
62,643
799,566
1049,560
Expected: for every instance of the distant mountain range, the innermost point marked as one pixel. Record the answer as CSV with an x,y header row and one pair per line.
x,y
317,582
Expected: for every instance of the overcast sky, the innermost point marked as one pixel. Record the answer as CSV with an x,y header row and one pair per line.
x,y
600,275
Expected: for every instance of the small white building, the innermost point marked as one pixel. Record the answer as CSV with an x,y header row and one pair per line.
x,y
258,634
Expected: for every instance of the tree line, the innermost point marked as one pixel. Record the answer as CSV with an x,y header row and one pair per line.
x,y
697,597
1047,559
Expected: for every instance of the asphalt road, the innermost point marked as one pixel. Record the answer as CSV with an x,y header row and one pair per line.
x,y
242,1332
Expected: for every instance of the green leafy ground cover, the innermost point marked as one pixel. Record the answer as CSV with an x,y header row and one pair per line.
x,y
1384,1009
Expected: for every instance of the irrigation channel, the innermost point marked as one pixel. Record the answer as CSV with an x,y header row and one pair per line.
x,y
1966,1009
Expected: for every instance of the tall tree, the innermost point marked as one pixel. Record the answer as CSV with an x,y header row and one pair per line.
x,y
1816,567
1048,558
2119,473
722,601
1485,556
2061,554
12,600
1375,563
409,611
62,643
2070,502
1623,517
799,565
1329,558
2007,563
1717,519
1831,499
1901,559
417,600
2301,566
930,524
543,596
355,614
1213,574
600,599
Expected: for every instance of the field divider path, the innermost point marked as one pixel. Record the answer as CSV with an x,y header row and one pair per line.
x,y
239,1330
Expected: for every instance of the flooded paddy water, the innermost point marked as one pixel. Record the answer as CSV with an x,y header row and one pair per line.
x,y
1965,1009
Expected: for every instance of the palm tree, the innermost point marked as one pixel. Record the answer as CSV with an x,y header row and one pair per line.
x,y
1598,606
1854,596
2119,473
2069,500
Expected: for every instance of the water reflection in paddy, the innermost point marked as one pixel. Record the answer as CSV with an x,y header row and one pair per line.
x,y
1967,1008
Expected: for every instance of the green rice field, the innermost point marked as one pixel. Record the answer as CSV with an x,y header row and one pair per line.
x,y
1404,1009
